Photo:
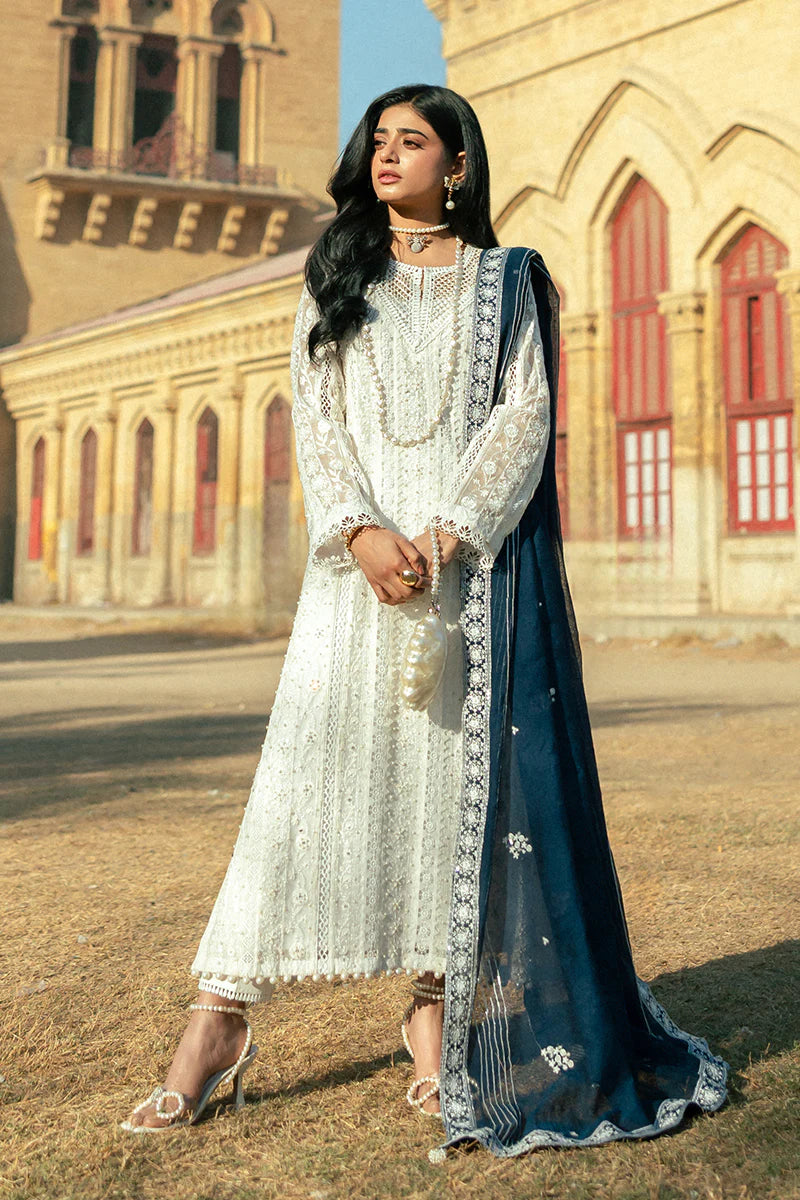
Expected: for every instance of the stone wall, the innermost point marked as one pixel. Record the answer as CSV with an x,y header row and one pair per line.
x,y
577,101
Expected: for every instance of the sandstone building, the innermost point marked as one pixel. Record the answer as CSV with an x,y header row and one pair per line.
x,y
147,145
637,145
651,151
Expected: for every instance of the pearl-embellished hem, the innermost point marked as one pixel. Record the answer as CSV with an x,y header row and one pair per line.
x,y
258,988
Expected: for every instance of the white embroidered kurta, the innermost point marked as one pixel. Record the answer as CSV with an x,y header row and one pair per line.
x,y
343,863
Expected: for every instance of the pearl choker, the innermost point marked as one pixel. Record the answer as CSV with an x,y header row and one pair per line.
x,y
417,239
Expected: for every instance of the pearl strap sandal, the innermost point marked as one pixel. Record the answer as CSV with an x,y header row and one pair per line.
x,y
428,992
186,1111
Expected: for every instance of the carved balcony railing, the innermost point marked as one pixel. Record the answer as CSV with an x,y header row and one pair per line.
x,y
173,153
168,190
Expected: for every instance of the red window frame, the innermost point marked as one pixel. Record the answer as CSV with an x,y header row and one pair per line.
x,y
644,468
37,501
760,472
142,530
205,497
277,442
757,385
277,476
640,359
88,483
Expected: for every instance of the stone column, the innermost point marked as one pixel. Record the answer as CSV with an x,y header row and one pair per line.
x,y
579,333
164,491
197,103
694,531
254,106
65,35
228,408
789,286
106,428
115,87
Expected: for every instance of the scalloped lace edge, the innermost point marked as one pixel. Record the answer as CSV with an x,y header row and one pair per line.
x,y
337,529
709,1094
474,549
213,981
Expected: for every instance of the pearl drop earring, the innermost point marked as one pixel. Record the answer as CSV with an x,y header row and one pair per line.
x,y
450,183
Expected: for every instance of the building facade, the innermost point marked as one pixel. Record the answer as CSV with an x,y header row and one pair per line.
x,y
639,150
652,154
155,452
150,144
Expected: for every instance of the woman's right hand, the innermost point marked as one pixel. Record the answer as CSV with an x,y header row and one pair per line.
x,y
382,555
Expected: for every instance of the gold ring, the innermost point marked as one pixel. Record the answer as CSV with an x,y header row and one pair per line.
x,y
408,577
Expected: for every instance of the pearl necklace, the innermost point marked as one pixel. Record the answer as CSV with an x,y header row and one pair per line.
x,y
383,404
416,239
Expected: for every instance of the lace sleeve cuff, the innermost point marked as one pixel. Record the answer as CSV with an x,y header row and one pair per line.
x,y
327,547
474,549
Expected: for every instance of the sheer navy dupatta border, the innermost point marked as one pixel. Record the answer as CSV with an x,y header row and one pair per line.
x,y
550,1038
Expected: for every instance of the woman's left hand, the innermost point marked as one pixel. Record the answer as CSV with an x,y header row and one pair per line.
x,y
448,545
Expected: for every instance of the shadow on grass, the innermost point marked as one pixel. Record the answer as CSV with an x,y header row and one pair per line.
x,y
353,1072
108,645
617,713
54,768
56,758
747,1006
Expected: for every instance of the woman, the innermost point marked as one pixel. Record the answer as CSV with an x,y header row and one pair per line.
x,y
464,840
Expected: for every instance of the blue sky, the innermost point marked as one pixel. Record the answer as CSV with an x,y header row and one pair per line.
x,y
384,43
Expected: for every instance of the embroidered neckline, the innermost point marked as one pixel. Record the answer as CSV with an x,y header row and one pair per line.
x,y
469,251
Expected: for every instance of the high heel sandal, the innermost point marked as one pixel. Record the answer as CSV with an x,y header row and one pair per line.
x,y
421,991
184,1113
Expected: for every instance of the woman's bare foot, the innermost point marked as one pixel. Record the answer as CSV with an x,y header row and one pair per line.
x,y
424,1031
211,1042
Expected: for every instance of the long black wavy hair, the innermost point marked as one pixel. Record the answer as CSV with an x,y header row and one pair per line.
x,y
352,252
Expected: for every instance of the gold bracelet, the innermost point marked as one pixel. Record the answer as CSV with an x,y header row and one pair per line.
x,y
349,537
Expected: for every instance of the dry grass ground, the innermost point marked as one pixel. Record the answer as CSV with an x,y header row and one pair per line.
x,y
126,758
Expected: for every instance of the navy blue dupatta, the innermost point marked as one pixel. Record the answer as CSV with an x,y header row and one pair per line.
x,y
550,1038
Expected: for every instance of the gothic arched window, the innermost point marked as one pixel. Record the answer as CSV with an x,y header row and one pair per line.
x,y
37,501
757,374
229,82
205,498
80,96
156,85
142,533
640,270
277,474
88,483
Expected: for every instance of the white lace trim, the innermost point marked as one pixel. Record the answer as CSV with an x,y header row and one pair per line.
x,y
709,1094
456,1093
336,491
458,1089
344,859
473,550
323,548
504,458
234,984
